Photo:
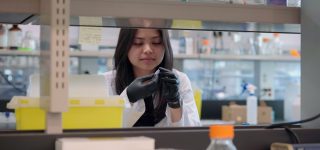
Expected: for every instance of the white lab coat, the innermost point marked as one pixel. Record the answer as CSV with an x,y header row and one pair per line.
x,y
133,111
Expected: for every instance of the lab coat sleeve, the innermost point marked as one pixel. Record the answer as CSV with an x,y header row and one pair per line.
x,y
132,111
190,116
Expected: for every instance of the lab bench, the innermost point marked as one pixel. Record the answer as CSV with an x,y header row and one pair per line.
x,y
195,138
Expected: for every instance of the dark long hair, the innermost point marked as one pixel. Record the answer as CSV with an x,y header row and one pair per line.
x,y
124,69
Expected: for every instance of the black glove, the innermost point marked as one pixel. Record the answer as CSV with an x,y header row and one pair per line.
x,y
170,87
142,87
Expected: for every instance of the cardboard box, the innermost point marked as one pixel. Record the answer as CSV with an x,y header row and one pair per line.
x,y
233,112
264,114
238,113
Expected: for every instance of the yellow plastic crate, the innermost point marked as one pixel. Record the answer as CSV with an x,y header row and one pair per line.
x,y
82,113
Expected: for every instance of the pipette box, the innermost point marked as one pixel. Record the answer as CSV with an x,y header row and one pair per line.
x,y
83,113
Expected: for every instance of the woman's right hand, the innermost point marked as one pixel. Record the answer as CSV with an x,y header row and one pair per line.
x,y
142,87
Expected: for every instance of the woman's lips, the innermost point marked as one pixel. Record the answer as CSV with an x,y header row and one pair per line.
x,y
147,60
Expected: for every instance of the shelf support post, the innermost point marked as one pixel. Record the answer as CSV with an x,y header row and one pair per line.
x,y
54,61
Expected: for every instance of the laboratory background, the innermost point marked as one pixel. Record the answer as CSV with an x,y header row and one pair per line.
x,y
219,64
250,74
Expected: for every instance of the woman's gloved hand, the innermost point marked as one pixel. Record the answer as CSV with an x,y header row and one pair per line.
x,y
142,87
170,87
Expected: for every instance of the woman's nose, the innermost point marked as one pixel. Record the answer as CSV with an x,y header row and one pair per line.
x,y
147,48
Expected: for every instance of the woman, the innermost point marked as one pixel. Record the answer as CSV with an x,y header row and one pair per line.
x,y
152,98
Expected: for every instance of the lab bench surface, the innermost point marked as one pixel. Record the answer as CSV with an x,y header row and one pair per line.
x,y
180,138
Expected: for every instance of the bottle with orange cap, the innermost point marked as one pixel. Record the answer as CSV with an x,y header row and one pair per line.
x,y
221,136
277,44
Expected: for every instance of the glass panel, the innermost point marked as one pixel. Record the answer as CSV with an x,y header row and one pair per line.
x,y
219,64
220,80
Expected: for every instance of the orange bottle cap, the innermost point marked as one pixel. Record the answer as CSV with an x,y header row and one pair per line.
x,y
221,131
294,53
265,40
276,34
205,42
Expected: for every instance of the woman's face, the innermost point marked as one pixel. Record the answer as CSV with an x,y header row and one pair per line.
x,y
146,52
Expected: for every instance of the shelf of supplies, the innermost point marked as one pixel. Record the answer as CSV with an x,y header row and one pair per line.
x,y
5,52
88,53
85,53
185,56
109,54
177,15
249,57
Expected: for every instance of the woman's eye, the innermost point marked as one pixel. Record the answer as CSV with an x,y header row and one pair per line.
x,y
137,43
157,42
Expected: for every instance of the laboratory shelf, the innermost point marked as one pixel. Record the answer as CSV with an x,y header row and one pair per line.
x,y
250,57
109,54
186,56
84,53
177,15
6,52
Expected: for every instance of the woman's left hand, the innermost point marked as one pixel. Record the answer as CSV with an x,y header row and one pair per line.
x,y
170,87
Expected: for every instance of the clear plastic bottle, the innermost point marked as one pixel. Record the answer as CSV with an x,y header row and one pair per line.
x,y
252,106
236,48
205,46
28,42
265,47
218,43
221,136
276,44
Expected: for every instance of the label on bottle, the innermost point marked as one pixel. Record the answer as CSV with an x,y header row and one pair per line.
x,y
15,39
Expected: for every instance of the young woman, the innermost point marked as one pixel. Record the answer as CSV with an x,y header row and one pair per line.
x,y
154,93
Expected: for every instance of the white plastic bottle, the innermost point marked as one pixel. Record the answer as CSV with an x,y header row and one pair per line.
x,y
252,106
221,136
3,37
